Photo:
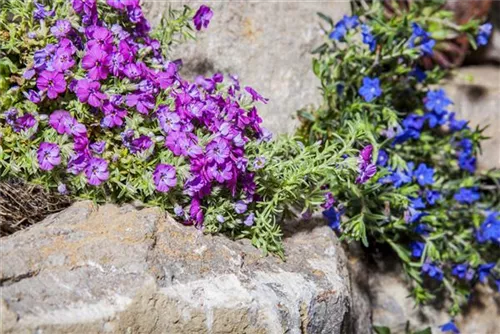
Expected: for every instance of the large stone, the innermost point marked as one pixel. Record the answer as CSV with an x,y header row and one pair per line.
x,y
475,91
116,269
267,44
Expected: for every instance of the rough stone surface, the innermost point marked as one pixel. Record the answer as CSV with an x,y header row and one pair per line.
x,y
267,44
479,101
122,270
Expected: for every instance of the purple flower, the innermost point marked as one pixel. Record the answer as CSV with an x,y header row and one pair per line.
x,y
240,207
96,62
140,144
97,171
339,31
178,210
102,39
256,96
29,73
40,13
143,102
249,220
98,147
169,121
60,120
370,89
48,156
195,212
329,200
113,116
220,172
86,6
259,162
164,177
89,91
77,162
26,121
490,229
61,29
382,158
218,150
53,82
32,95
132,71
432,196
63,60
366,173
459,270
62,189
423,39
202,17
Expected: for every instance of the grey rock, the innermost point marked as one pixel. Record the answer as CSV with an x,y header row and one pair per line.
x,y
116,269
475,91
267,44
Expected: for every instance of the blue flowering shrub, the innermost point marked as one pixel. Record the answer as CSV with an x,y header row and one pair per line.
x,y
92,107
418,190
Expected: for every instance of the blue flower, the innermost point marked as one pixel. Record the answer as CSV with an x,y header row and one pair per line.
x,y
466,146
424,175
437,101
432,196
436,119
339,31
467,195
490,229
459,270
419,74
424,40
422,229
351,22
370,89
400,177
382,158
417,203
417,248
484,270
456,125
333,218
466,162
341,28
427,47
368,37
432,270
414,121
484,34
449,327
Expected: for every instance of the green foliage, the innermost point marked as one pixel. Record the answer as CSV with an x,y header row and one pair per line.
x,y
382,211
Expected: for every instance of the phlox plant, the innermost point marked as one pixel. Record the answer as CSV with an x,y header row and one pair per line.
x,y
92,107
419,191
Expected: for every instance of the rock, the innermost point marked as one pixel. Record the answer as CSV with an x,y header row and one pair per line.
x,y
122,270
267,44
479,101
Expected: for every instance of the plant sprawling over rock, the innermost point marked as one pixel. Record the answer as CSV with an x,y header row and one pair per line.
x,y
92,107
425,198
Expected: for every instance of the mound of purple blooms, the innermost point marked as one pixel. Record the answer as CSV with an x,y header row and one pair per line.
x,y
117,72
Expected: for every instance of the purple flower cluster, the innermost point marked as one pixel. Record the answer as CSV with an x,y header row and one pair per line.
x,y
366,168
92,56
